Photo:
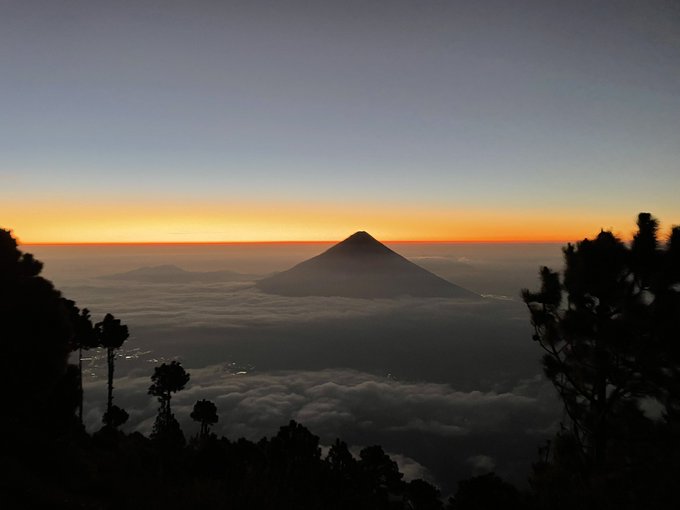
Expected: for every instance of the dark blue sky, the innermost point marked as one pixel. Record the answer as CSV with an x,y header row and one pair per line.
x,y
515,110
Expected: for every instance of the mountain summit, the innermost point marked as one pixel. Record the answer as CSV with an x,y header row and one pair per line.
x,y
361,267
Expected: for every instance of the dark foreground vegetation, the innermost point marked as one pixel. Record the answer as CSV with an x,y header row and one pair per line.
x,y
609,325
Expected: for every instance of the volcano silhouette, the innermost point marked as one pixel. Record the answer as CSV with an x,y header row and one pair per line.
x,y
361,267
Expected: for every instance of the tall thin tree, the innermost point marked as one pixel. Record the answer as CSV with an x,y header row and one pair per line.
x,y
84,337
111,334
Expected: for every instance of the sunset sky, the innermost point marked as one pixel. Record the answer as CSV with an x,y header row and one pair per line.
x,y
178,121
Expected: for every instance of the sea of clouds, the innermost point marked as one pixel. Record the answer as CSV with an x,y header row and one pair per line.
x,y
440,433
449,388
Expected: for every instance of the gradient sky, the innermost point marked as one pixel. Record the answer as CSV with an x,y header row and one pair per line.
x,y
196,120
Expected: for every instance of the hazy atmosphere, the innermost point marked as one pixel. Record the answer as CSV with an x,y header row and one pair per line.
x,y
451,388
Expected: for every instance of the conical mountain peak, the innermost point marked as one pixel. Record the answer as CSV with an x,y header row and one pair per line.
x,y
359,244
361,266
362,236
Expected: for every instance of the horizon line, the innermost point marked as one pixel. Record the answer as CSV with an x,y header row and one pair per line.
x,y
300,242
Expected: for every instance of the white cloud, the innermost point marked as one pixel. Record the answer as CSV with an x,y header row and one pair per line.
x,y
482,464
328,399
358,407
481,349
236,304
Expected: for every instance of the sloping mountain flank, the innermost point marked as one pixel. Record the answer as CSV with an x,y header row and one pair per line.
x,y
361,267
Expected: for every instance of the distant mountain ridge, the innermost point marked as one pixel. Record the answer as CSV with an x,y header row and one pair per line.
x,y
172,274
360,266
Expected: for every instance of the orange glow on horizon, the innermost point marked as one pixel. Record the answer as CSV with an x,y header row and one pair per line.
x,y
295,242
173,223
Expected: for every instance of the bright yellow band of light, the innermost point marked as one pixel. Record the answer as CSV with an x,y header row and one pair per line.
x,y
110,222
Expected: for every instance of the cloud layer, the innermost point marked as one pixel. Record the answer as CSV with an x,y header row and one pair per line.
x,y
230,304
359,407
450,389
